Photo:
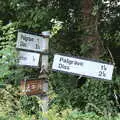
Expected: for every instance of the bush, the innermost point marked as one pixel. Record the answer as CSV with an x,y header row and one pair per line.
x,y
92,96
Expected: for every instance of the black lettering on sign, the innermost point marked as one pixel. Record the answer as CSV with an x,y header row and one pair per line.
x,y
25,38
70,62
103,67
62,66
78,63
37,46
33,59
66,60
22,58
61,59
102,71
22,44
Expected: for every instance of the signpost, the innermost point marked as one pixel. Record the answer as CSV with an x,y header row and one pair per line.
x,y
38,45
28,58
31,42
82,67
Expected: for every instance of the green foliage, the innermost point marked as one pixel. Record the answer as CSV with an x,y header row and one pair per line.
x,y
35,16
69,114
52,114
9,100
93,95
18,116
29,104
8,55
14,105
7,52
57,25
7,36
6,62
10,72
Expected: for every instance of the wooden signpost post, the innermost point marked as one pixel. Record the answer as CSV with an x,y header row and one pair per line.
x,y
44,72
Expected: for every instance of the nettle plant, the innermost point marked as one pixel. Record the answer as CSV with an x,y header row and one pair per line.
x,y
8,54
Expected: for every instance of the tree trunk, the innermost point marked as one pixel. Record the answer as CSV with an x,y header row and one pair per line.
x,y
91,36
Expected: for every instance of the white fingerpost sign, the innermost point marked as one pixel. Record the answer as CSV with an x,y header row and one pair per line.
x,y
28,58
82,67
31,42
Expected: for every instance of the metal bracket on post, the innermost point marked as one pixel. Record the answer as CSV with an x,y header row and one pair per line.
x,y
80,76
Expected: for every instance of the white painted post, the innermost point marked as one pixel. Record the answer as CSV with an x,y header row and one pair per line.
x,y
44,70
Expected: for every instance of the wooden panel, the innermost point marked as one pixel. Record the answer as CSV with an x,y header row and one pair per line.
x,y
33,87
